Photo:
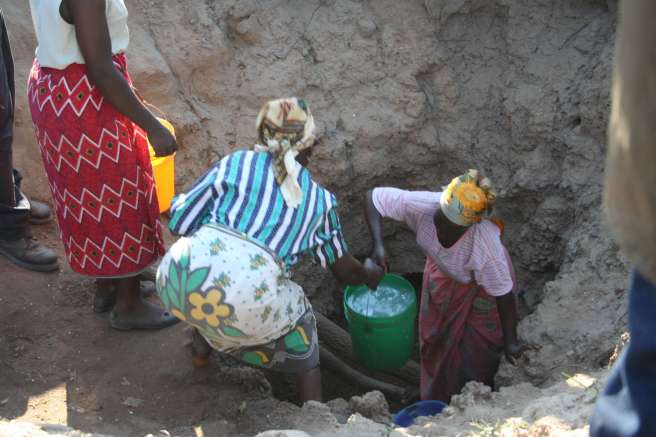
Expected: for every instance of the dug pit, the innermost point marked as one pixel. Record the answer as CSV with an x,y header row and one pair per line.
x,y
406,94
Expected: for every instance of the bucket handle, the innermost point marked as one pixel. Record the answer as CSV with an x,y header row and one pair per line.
x,y
154,108
367,326
147,103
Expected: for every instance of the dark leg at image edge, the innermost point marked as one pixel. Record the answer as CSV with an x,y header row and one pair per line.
x,y
16,211
627,407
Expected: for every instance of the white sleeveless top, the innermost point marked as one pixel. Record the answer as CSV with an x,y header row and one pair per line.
x,y
57,45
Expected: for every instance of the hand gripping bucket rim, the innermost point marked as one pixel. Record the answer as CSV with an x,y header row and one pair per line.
x,y
163,172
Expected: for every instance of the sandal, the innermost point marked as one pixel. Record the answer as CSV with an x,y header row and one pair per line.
x,y
165,320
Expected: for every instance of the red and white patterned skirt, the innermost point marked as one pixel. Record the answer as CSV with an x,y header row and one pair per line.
x,y
99,171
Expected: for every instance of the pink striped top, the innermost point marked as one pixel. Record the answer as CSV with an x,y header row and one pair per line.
x,y
478,256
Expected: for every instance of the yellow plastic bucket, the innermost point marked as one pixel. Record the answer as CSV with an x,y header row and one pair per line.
x,y
164,173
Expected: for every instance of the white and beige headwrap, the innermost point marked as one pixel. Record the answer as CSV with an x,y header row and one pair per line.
x,y
284,128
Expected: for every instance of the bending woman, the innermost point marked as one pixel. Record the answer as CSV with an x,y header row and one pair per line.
x,y
246,222
93,134
468,314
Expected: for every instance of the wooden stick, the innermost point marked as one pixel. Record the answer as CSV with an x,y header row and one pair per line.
x,y
331,361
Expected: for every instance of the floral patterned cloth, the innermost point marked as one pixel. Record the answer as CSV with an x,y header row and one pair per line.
x,y
285,127
468,198
235,291
298,351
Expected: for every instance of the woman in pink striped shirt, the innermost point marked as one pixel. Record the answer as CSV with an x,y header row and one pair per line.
x,y
468,314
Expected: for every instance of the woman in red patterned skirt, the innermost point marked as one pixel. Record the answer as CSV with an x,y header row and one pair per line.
x,y
93,134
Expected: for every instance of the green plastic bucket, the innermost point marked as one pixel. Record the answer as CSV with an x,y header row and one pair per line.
x,y
382,322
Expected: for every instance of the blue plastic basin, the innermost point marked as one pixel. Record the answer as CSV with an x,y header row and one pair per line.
x,y
407,416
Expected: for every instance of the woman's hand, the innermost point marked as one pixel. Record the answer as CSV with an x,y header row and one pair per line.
x,y
350,271
375,273
374,220
162,141
380,257
515,350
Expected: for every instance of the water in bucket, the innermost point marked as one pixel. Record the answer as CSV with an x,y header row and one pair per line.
x,y
385,301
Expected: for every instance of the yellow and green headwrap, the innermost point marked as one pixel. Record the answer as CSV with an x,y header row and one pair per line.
x,y
468,199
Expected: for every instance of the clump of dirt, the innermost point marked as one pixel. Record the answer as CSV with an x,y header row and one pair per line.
x,y
473,393
372,405
248,378
316,416
562,409
286,433
340,409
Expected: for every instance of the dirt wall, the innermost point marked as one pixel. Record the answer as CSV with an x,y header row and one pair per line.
x,y
407,94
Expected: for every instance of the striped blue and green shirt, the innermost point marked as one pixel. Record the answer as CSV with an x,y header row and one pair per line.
x,y
241,192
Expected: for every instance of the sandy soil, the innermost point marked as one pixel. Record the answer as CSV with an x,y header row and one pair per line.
x,y
61,363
